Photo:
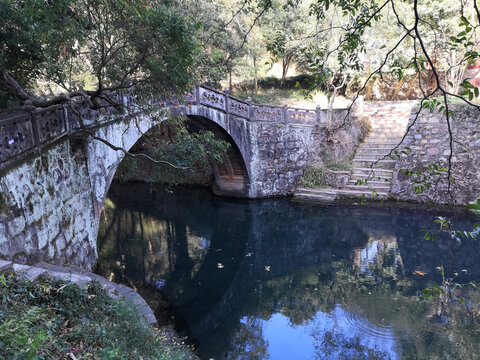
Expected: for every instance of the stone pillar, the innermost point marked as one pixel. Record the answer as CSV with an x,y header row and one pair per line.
x,y
227,101
197,95
358,105
250,110
318,114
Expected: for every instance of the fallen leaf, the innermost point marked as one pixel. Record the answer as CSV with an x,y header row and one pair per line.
x,y
418,272
220,265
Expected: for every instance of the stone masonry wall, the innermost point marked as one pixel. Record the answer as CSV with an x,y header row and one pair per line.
x,y
429,141
47,211
280,153
51,205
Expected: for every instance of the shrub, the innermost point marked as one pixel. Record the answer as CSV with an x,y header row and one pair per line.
x,y
314,177
52,319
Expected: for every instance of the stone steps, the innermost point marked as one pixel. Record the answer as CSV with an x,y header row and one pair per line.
x,y
385,139
333,194
364,150
372,182
323,198
378,144
374,164
373,157
80,277
371,163
356,176
367,171
369,187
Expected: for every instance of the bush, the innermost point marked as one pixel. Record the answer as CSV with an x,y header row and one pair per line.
x,y
314,178
52,319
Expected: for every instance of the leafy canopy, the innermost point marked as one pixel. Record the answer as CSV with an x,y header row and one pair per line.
x,y
93,47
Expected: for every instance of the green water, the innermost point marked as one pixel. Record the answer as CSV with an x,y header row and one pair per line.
x,y
274,279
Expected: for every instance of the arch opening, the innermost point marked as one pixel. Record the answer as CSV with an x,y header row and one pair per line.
x,y
228,178
231,176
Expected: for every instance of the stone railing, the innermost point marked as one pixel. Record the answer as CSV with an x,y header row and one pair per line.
x,y
223,101
29,132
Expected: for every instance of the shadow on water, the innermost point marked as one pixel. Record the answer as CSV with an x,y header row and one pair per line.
x,y
281,280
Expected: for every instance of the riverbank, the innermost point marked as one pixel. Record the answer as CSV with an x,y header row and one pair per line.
x,y
386,203
60,315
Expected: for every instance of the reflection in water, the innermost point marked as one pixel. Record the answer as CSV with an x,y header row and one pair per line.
x,y
274,280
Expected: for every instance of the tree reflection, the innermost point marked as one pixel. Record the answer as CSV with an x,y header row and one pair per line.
x,y
302,262
332,346
248,342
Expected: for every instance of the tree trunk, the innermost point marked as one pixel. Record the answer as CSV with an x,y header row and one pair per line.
x,y
283,82
255,73
287,59
230,80
332,99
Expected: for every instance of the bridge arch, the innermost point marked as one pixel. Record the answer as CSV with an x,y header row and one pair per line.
x,y
232,178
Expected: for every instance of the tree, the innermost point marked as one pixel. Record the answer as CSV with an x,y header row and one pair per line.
x,y
55,51
91,48
422,39
285,33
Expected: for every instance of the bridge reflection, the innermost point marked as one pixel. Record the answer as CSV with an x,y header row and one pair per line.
x,y
222,268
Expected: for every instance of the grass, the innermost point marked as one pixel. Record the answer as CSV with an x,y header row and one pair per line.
x,y
53,319
270,92
271,96
345,164
314,178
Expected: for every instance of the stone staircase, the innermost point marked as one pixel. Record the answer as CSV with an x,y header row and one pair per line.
x,y
81,277
372,167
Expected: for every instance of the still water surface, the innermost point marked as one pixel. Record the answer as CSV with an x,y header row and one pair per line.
x,y
274,279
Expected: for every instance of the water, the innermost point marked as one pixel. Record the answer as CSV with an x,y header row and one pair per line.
x,y
274,279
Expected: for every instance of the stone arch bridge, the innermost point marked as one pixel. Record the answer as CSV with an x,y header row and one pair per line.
x,y
54,178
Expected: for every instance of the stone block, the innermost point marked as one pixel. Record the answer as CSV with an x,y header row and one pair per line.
x,y
5,266
16,226
34,273
281,184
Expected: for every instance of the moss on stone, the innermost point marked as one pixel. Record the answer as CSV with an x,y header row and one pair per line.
x,y
51,190
4,207
28,202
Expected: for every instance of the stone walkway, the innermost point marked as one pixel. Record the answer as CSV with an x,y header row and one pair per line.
x,y
81,277
372,167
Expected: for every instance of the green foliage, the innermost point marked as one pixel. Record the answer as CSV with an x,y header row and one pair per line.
x,y
314,178
53,319
446,227
193,153
4,207
474,207
147,48
449,284
21,54
447,288
423,178
345,164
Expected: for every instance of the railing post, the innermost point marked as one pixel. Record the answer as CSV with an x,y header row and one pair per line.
x,y
358,105
35,130
197,95
318,114
65,117
250,109
227,101
285,114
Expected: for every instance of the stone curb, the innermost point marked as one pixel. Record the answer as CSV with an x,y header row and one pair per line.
x,y
81,277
